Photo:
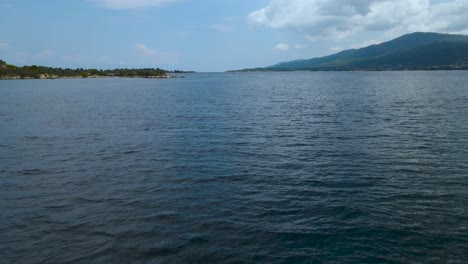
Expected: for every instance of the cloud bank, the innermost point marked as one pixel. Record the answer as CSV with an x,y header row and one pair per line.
x,y
335,19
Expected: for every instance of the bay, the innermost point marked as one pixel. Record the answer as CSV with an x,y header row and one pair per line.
x,y
293,167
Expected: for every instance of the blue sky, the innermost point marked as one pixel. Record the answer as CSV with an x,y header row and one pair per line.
x,y
208,35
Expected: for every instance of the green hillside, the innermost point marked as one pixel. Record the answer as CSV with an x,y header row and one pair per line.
x,y
416,51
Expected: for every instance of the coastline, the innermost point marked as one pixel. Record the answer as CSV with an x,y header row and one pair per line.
x,y
89,77
12,72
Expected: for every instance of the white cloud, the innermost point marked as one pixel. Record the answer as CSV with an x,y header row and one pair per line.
x,y
335,19
281,46
155,56
133,4
145,50
3,46
224,28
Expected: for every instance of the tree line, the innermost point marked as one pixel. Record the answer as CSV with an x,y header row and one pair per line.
x,y
34,71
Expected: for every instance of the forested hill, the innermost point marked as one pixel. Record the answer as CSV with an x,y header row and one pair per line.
x,y
416,51
8,71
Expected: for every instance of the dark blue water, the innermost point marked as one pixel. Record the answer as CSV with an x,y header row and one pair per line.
x,y
245,168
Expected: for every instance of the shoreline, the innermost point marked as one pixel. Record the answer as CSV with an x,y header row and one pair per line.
x,y
89,77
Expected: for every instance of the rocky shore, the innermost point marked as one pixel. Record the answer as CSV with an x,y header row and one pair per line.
x,y
51,77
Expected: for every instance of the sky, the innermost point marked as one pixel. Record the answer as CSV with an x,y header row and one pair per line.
x,y
208,35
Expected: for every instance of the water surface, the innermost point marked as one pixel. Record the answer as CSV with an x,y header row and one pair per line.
x,y
245,168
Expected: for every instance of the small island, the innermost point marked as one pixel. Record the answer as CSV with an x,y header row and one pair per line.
x,y
12,72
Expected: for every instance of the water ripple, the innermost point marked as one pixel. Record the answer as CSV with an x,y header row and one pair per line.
x,y
246,168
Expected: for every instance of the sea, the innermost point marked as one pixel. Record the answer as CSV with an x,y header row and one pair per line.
x,y
286,167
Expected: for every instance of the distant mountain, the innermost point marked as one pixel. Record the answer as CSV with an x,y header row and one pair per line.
x,y
416,51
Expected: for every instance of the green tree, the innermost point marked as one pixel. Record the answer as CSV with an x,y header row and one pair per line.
x,y
95,72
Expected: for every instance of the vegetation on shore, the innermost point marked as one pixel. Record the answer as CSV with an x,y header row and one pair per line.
x,y
416,51
8,71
